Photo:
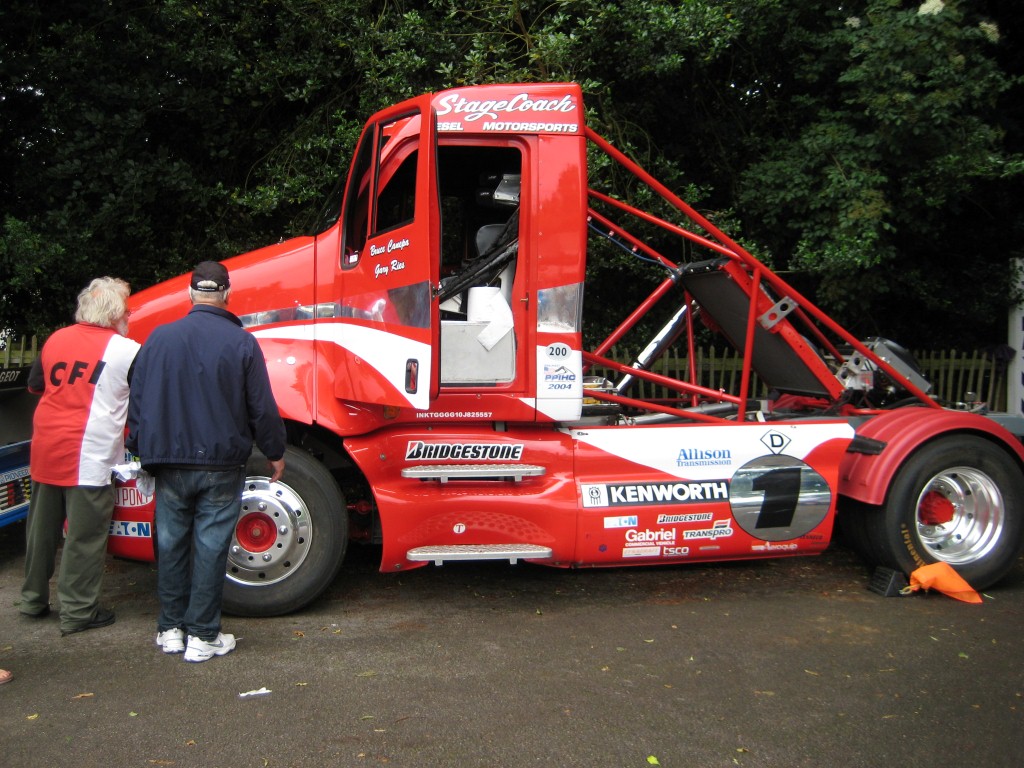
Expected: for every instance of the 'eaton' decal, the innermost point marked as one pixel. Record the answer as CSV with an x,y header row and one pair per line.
x,y
627,521
608,495
418,450
131,530
778,498
699,457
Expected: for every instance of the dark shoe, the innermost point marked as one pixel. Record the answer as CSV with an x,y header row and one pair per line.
x,y
102,618
41,615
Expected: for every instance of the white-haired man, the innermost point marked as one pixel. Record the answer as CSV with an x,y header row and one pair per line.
x,y
77,437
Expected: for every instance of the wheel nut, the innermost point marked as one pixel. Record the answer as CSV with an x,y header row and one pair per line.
x,y
266,557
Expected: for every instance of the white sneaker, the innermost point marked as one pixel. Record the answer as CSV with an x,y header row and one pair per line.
x,y
201,650
171,640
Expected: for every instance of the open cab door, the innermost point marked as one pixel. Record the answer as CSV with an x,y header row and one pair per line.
x,y
384,327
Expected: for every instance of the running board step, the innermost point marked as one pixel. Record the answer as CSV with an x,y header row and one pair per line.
x,y
510,552
446,472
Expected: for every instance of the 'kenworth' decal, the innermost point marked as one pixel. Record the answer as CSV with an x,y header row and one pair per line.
x,y
624,495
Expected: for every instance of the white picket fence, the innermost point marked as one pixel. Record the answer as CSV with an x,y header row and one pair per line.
x,y
952,373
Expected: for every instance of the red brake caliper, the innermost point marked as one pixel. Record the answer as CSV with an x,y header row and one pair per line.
x,y
256,532
935,509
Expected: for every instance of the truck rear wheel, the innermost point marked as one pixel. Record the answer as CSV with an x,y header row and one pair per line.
x,y
958,500
290,538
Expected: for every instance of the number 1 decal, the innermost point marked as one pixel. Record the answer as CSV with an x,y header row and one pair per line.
x,y
777,498
781,493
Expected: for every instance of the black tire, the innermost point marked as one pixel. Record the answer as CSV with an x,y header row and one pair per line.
x,y
958,500
853,518
290,539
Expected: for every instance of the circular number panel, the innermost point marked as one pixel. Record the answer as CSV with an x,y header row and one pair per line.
x,y
777,498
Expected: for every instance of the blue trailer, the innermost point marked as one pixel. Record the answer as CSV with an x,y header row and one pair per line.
x,y
16,408
14,482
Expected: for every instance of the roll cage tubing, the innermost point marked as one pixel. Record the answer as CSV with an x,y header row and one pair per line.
x,y
811,317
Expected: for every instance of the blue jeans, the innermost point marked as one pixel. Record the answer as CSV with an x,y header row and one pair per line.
x,y
196,512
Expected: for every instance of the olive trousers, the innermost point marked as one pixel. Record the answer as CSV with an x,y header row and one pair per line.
x,y
88,510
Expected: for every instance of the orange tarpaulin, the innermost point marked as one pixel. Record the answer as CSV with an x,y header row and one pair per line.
x,y
942,578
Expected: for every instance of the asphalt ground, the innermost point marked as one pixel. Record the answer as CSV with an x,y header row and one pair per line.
x,y
790,662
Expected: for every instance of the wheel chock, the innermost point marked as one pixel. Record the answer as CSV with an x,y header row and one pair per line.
x,y
888,582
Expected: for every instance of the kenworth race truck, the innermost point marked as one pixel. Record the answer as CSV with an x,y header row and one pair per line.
x,y
426,350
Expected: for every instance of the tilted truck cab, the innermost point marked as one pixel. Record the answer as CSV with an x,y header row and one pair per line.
x,y
427,352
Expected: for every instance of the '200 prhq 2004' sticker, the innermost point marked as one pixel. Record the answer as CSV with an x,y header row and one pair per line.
x,y
773,493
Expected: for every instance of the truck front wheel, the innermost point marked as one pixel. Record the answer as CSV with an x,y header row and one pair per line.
x,y
958,500
290,538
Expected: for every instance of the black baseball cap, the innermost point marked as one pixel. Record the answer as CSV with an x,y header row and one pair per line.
x,y
210,277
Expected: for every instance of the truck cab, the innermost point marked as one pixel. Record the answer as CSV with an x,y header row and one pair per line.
x,y
426,349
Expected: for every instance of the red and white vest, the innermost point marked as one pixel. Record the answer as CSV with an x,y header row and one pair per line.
x,y
78,428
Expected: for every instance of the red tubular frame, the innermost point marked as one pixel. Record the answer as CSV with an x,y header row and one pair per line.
x,y
812,318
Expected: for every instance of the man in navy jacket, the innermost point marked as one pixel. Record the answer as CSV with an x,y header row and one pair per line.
x,y
200,397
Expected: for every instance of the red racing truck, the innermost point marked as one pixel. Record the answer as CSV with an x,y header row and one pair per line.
x,y
427,352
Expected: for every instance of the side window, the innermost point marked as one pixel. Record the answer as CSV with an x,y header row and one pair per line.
x,y
396,201
382,190
357,201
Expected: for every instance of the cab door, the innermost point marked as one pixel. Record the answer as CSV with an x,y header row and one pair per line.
x,y
383,329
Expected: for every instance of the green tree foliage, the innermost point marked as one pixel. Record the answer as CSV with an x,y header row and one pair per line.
x,y
868,147
888,173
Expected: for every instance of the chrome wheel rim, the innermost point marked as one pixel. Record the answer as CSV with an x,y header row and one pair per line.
x,y
960,515
273,534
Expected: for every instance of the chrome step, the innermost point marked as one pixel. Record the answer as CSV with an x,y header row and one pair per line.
x,y
511,552
446,472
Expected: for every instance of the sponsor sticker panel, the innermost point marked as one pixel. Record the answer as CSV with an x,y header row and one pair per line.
x,y
696,452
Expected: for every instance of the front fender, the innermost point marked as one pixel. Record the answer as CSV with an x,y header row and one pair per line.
x,y
866,477
291,366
